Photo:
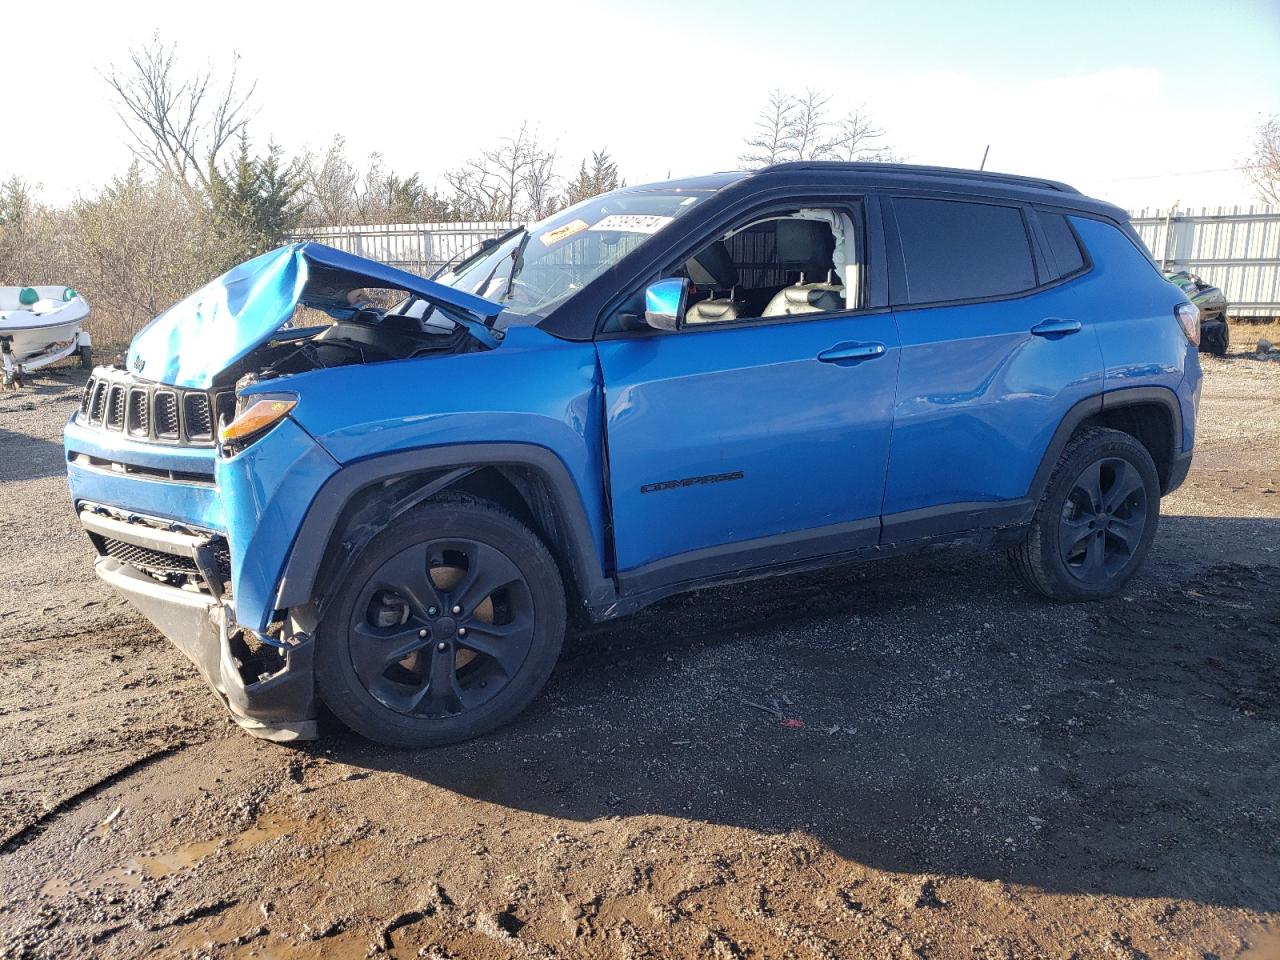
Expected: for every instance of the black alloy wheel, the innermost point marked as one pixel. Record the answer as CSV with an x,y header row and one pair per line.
x,y
1103,520
1095,521
441,627
447,625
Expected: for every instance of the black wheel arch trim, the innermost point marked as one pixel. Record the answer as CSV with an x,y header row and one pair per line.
x,y
1096,404
298,583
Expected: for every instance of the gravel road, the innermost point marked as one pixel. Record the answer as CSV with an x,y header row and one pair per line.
x,y
907,759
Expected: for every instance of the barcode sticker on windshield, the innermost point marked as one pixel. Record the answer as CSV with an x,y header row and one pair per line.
x,y
559,233
633,223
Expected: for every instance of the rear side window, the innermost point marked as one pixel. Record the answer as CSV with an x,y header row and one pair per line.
x,y
1063,246
956,250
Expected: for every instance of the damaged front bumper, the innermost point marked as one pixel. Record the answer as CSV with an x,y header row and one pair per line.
x,y
268,688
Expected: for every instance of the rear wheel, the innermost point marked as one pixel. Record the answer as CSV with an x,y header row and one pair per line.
x,y
86,357
1096,521
448,626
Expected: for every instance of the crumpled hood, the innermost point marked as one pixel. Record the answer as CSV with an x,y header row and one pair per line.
x,y
196,339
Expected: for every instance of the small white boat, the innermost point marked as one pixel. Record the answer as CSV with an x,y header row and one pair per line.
x,y
41,325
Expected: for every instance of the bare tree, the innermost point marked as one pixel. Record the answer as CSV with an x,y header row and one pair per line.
x,y
512,181
795,127
339,191
1263,168
179,122
771,141
539,183
857,138
807,134
330,184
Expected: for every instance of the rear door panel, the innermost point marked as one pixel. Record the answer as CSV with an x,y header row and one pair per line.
x,y
979,394
979,397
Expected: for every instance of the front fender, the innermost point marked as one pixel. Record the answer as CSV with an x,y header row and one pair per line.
x,y
298,585
535,401
265,490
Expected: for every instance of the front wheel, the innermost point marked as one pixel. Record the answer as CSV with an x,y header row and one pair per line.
x,y
1096,521
448,625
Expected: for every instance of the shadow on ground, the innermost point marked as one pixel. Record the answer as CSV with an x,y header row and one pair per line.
x,y
925,715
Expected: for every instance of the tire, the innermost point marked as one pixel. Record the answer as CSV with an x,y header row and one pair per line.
x,y
86,357
1059,557
1221,340
443,689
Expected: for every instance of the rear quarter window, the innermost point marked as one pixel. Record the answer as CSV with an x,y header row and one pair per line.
x,y
1064,248
957,250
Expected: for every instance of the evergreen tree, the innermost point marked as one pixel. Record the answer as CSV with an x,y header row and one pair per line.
x,y
600,177
254,201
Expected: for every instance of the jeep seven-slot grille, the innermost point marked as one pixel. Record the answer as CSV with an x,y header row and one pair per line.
x,y
114,400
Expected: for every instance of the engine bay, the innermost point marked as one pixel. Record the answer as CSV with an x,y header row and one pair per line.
x,y
369,335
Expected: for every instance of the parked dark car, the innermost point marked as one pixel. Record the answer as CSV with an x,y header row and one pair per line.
x,y
401,507
1215,334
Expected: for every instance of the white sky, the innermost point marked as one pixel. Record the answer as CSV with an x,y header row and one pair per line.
x,y
1110,98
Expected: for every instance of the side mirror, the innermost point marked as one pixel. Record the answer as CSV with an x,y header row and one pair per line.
x,y
664,303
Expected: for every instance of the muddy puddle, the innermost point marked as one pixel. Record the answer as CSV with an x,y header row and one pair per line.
x,y
131,874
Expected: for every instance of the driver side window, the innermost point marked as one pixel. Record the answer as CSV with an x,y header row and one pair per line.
x,y
783,264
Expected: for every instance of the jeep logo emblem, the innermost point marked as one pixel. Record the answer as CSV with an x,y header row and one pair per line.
x,y
138,364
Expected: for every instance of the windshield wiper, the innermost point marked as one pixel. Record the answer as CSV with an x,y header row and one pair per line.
x,y
487,244
517,263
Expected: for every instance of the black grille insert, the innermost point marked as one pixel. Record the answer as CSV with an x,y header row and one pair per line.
x,y
198,419
139,415
144,558
99,402
115,408
167,415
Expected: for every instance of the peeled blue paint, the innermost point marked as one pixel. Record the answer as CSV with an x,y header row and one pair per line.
x,y
194,340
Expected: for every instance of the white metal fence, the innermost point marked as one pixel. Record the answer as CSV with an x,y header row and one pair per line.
x,y
420,248
1235,248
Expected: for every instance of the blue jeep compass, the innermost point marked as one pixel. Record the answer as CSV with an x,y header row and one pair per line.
x,y
328,480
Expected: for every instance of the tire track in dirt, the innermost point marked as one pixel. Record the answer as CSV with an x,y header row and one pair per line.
x,y
21,834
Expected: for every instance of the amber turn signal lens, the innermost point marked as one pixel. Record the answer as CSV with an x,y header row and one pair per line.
x,y
254,419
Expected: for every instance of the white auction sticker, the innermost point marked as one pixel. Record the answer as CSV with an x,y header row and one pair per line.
x,y
633,223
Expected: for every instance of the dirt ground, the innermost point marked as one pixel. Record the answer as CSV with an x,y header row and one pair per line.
x,y
906,759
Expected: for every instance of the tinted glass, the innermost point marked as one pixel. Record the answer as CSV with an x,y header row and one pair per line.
x,y
955,250
1062,243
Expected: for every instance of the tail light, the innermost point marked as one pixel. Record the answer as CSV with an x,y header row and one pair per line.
x,y
1188,315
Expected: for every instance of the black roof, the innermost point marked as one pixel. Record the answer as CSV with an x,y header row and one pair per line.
x,y
904,176
924,172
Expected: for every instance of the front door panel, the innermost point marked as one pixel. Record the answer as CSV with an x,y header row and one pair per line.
x,y
720,437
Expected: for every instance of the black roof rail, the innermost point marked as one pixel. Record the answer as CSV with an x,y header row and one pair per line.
x,y
914,170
